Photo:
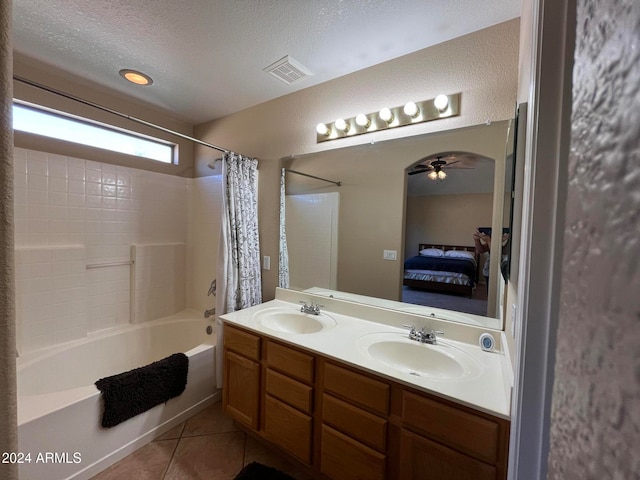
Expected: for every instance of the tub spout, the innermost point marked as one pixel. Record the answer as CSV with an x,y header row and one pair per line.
x,y
208,313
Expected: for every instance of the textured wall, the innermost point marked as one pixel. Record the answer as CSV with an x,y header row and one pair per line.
x,y
8,422
596,420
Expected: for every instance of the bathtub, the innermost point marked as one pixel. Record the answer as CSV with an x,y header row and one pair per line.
x,y
59,408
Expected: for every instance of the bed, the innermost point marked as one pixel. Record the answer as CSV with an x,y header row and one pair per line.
x,y
443,268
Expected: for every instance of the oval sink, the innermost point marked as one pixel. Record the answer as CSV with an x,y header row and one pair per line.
x,y
291,320
435,362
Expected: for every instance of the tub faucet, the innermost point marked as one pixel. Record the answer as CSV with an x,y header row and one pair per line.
x,y
310,309
208,313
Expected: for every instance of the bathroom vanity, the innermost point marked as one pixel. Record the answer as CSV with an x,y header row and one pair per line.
x,y
341,395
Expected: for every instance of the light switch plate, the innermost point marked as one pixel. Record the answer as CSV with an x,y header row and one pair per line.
x,y
390,255
266,262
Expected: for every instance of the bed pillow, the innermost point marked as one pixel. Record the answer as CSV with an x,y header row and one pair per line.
x,y
459,254
431,252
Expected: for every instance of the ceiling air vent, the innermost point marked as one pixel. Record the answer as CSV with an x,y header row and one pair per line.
x,y
288,70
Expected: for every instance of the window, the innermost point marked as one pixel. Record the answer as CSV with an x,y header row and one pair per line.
x,y
34,119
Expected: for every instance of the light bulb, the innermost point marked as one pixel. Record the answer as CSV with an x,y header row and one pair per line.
x,y
411,109
362,120
433,175
442,175
341,125
441,102
386,115
136,77
322,129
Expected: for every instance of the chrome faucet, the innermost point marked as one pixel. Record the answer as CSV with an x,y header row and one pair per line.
x,y
423,336
208,313
310,309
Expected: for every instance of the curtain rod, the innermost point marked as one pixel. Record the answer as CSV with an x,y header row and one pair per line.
x,y
115,112
312,176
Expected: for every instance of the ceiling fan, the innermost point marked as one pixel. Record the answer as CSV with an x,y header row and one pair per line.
x,y
436,167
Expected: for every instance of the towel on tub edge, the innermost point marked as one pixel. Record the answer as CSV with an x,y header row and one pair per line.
x,y
131,393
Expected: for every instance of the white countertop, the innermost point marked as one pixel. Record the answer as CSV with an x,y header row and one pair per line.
x,y
488,390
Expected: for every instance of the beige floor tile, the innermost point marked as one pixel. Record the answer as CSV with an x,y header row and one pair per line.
x,y
256,451
210,420
208,457
175,432
147,463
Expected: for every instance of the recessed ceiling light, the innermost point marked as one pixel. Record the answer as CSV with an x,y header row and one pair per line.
x,y
136,77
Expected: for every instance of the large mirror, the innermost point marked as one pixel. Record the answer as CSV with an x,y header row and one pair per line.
x,y
352,240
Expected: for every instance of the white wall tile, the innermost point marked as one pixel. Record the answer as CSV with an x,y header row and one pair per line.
x,y
61,202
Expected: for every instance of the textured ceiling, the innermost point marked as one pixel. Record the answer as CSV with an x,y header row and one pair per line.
x,y
207,56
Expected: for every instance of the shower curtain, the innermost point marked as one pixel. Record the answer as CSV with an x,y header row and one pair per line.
x,y
8,402
283,252
239,282
239,265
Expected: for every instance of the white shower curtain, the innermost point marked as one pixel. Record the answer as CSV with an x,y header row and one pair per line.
x,y
239,282
283,251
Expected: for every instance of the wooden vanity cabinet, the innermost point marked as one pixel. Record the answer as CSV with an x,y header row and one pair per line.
x,y
345,423
354,414
440,439
288,399
241,382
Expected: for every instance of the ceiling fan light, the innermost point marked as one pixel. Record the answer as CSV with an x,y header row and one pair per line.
x,y
442,175
433,175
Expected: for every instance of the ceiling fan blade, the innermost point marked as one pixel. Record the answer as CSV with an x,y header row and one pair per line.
x,y
415,172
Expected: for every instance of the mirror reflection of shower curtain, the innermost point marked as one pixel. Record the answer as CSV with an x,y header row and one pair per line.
x,y
283,251
312,240
239,283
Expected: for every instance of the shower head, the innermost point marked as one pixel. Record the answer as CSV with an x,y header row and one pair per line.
x,y
212,164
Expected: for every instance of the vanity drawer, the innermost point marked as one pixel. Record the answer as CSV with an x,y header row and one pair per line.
x,y
290,391
357,388
472,434
343,458
290,361
242,342
288,428
355,422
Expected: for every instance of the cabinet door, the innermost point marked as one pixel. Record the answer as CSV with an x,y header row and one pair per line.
x,y
343,458
288,428
422,459
241,388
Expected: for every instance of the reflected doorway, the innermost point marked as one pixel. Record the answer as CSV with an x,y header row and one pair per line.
x,y
312,240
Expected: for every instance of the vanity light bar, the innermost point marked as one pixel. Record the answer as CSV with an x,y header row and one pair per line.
x,y
443,106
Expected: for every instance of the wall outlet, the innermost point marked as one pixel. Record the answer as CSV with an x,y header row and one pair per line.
x,y
390,255
266,263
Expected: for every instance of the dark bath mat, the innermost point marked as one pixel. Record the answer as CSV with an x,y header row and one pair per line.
x,y
257,471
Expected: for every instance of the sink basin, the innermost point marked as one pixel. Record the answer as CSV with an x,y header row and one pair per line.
x,y
291,320
435,362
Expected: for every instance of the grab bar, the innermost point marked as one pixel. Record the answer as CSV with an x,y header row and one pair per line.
x,y
113,264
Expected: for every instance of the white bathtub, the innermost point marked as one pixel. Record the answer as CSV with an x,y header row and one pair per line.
x,y
59,408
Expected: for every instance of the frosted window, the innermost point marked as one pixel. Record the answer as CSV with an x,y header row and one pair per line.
x,y
70,129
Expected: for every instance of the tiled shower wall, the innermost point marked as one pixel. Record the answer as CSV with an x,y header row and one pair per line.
x,y
205,205
69,207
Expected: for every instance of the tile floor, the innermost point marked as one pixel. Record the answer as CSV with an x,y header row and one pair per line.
x,y
207,446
